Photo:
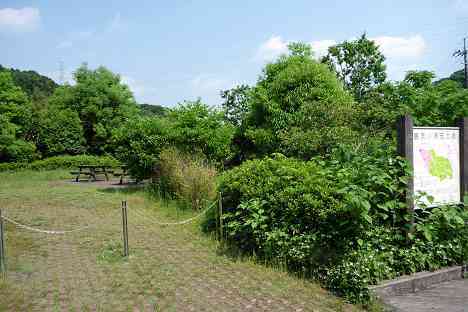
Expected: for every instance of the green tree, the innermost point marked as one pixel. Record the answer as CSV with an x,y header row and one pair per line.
x,y
15,120
102,102
196,126
60,132
298,108
151,110
419,79
235,105
439,104
358,63
457,76
35,86
139,142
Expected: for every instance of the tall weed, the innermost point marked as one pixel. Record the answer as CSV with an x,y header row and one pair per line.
x,y
190,179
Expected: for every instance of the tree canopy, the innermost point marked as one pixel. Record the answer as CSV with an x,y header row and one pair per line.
x,y
102,102
37,87
298,108
358,64
15,122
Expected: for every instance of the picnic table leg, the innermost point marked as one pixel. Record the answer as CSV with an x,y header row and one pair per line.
x,y
105,173
93,174
78,176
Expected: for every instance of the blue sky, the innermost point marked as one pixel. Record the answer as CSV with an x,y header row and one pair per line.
x,y
170,51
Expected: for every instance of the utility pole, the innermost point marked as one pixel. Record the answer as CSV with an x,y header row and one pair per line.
x,y
465,61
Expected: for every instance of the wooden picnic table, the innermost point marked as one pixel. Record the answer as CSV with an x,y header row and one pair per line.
x,y
122,174
92,171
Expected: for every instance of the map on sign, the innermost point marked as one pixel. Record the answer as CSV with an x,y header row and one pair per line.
x,y
436,162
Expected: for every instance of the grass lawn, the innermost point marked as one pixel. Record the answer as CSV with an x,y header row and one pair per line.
x,y
170,268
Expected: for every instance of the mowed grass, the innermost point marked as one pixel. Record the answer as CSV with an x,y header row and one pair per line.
x,y
170,268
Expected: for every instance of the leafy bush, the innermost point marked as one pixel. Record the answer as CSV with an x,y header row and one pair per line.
x,y
289,208
298,107
340,219
60,133
187,178
15,122
57,162
196,126
430,105
192,127
138,144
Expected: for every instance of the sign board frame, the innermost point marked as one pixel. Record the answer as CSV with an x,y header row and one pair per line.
x,y
405,149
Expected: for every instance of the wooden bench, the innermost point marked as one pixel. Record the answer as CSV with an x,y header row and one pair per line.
x,y
91,171
122,174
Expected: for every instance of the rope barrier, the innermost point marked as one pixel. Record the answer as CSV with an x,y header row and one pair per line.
x,y
26,227
175,223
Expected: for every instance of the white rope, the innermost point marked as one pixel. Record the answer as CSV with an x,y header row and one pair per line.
x,y
175,223
42,231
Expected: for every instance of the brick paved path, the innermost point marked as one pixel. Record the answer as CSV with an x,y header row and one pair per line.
x,y
170,268
445,297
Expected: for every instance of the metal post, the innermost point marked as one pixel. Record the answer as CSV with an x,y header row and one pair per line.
x,y
2,248
220,215
125,227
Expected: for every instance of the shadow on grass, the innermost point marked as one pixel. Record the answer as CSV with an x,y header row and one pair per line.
x,y
125,189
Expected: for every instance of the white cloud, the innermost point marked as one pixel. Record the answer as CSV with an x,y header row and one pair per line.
x,y
116,22
320,47
65,44
276,45
74,38
208,82
139,89
25,19
271,49
402,52
401,47
461,5
208,87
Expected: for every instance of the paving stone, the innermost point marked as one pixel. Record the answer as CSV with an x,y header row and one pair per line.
x,y
449,296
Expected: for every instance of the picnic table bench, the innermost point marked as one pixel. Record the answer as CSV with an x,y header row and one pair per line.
x,y
91,171
122,174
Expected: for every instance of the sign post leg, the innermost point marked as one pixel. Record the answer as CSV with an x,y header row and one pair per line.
x,y
463,125
2,248
405,150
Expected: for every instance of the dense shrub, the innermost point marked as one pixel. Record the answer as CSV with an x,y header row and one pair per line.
x,y
440,239
60,132
15,122
190,179
298,108
192,127
339,219
138,144
57,162
441,104
196,126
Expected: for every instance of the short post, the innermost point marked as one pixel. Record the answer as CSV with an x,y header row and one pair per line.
x,y
220,215
2,248
125,227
